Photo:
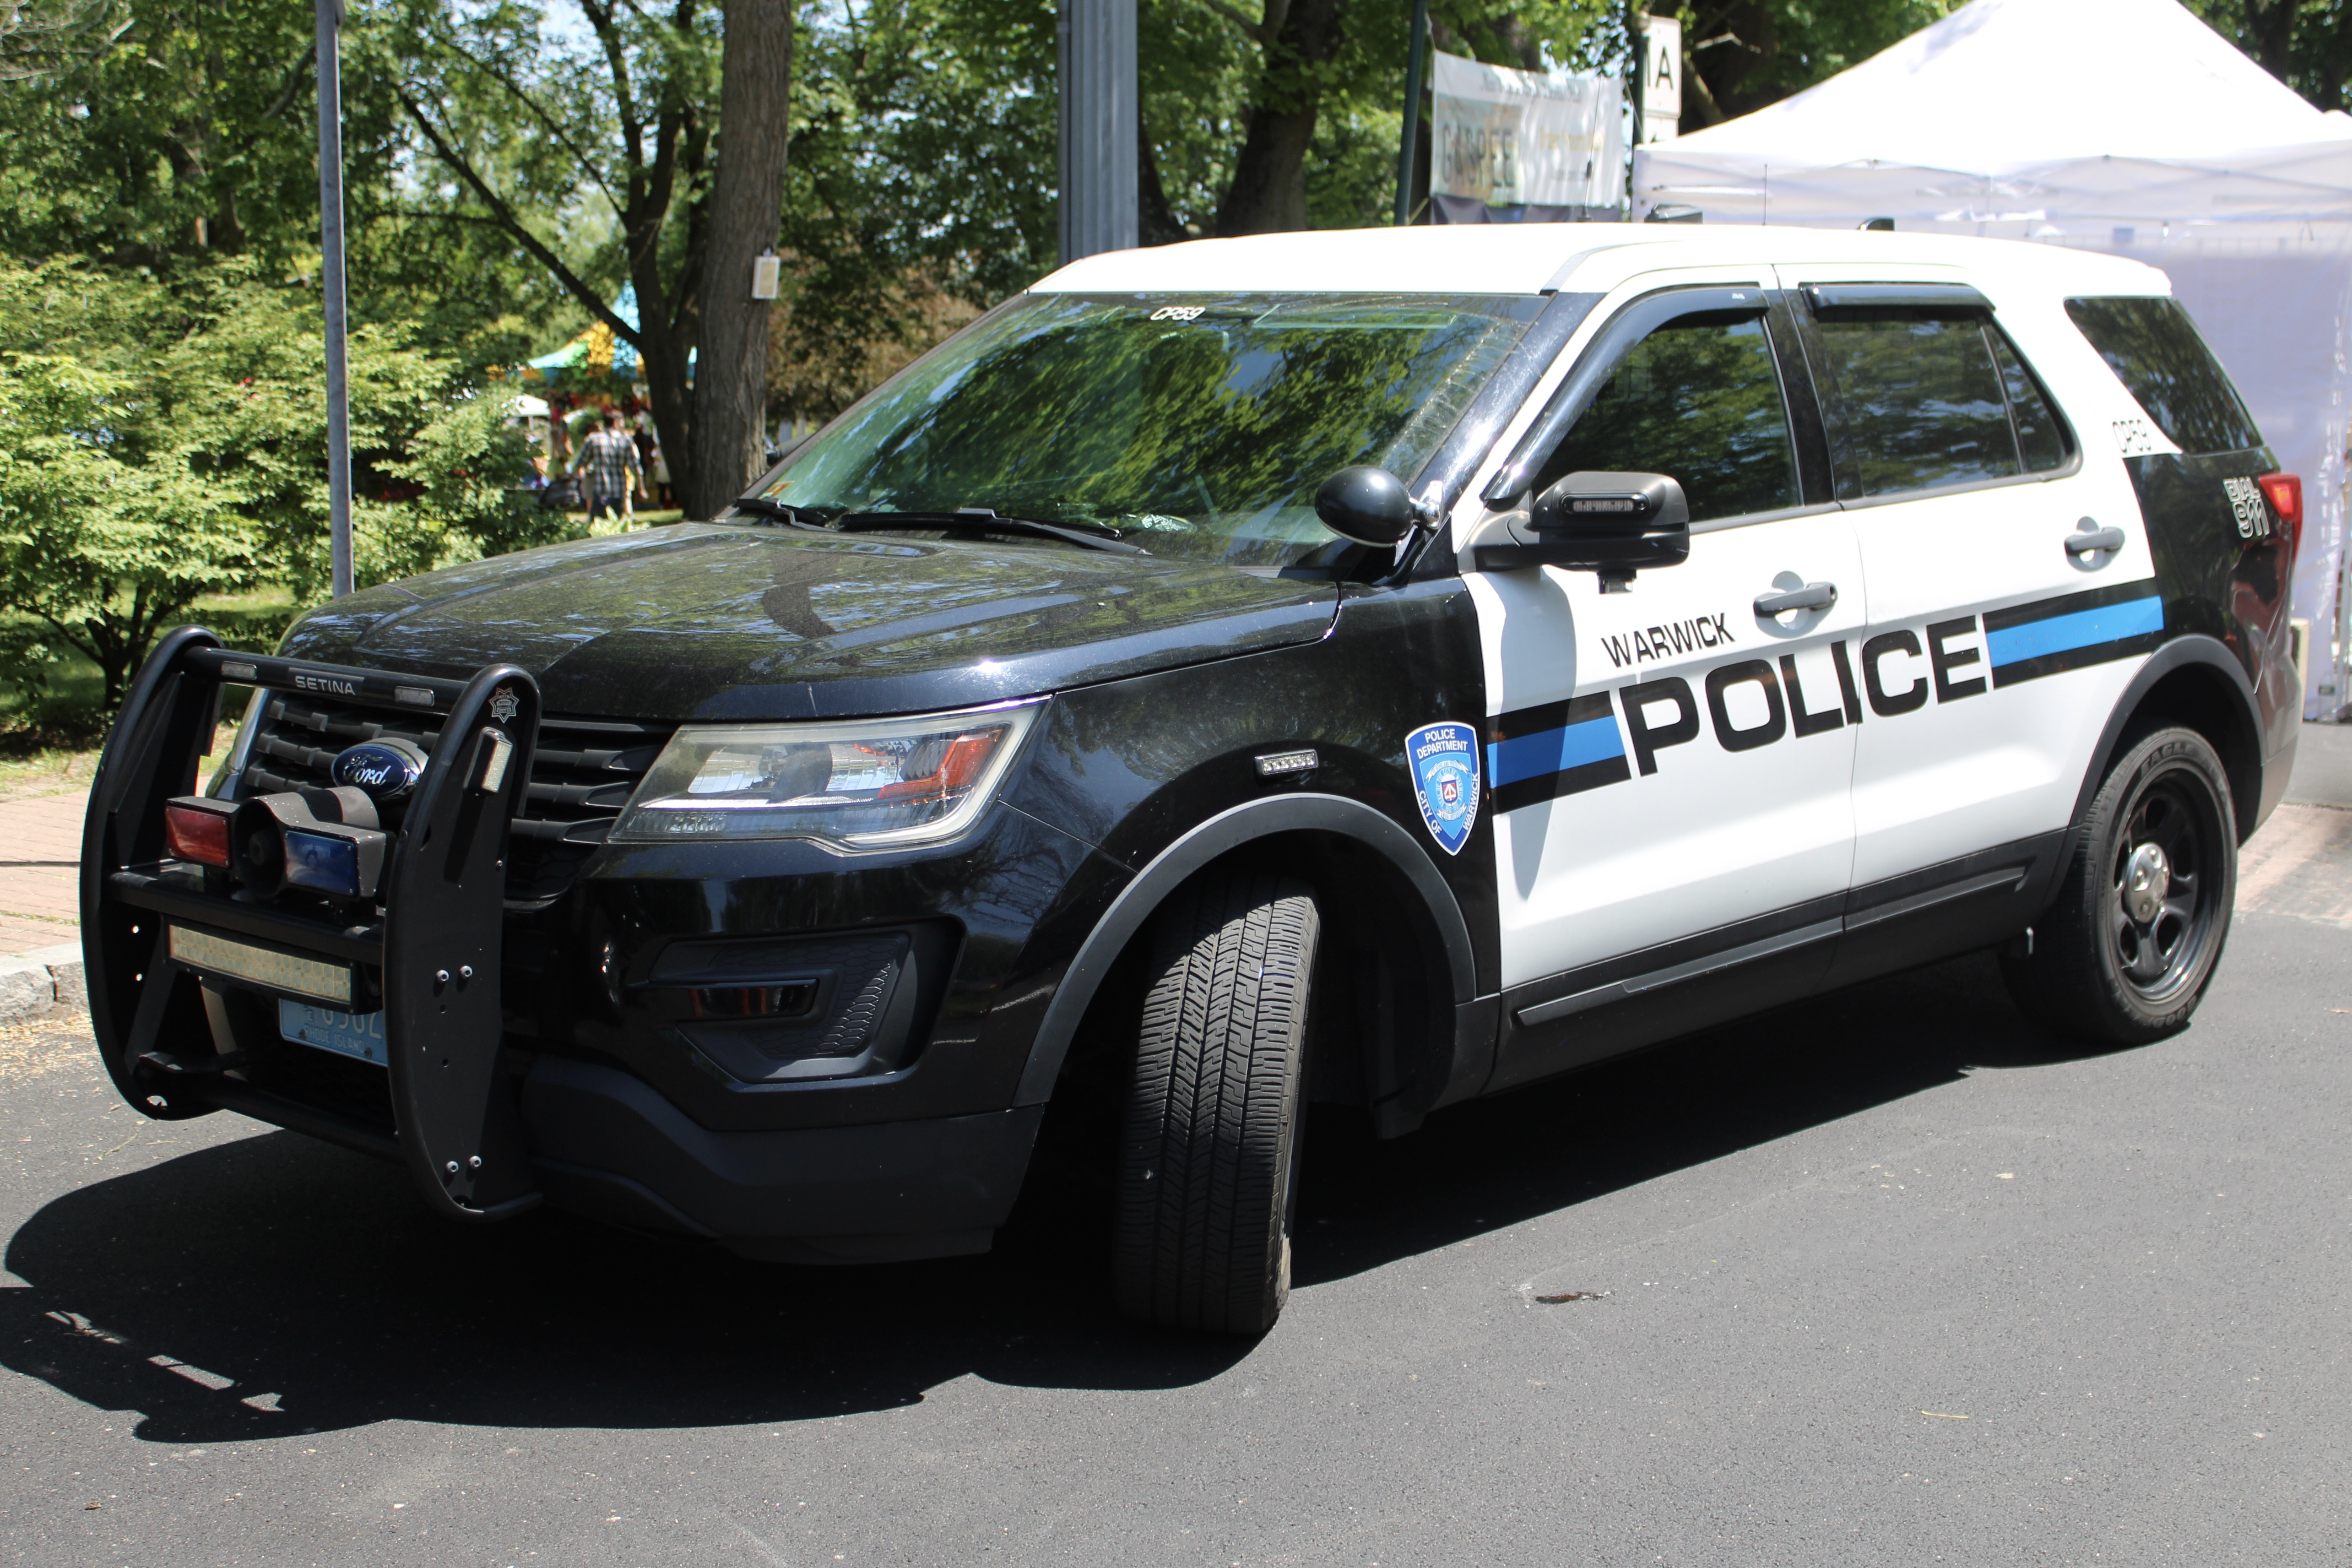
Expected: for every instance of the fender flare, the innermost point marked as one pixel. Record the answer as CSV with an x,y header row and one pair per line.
x,y
1221,834
2193,649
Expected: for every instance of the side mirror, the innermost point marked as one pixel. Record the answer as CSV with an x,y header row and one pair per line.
x,y
1367,505
1614,524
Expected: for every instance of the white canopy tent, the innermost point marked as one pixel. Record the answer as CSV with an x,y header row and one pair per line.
x,y
2125,126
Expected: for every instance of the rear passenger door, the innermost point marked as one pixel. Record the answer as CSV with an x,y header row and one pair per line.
x,y
1998,640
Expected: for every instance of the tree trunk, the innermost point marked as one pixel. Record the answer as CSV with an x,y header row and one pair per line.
x,y
1269,193
2270,28
730,377
1155,220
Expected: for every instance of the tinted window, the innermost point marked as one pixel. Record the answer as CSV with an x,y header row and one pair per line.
x,y
1699,401
1922,401
2040,440
2154,349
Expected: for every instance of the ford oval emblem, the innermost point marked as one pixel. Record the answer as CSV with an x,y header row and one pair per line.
x,y
387,770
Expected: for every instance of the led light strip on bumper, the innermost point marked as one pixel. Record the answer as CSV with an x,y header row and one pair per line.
x,y
208,954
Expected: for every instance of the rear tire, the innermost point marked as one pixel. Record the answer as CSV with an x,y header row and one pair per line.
x,y
1209,1155
2124,954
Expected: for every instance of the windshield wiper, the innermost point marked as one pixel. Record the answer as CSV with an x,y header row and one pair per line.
x,y
761,506
983,519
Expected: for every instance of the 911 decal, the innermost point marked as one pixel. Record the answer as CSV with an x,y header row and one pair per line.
x,y
2246,504
1540,753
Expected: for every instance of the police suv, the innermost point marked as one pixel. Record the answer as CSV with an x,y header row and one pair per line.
x,y
1379,667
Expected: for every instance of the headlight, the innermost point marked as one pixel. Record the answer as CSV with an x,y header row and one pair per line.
x,y
873,783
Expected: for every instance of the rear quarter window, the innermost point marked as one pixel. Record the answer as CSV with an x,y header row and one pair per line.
x,y
1926,399
2155,351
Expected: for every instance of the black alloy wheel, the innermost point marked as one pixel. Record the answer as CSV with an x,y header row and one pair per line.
x,y
2125,952
1208,1178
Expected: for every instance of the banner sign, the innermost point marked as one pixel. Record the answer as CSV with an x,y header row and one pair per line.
x,y
1513,138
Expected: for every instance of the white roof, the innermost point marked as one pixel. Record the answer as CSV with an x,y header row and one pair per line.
x,y
1527,258
2015,83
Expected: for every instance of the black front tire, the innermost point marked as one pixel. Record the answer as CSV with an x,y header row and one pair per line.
x,y
1208,1180
2124,954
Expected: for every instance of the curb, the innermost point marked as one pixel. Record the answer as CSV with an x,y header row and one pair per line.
x,y
46,980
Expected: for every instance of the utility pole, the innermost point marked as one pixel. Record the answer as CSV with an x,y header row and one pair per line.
x,y
1411,143
1101,125
331,291
1636,54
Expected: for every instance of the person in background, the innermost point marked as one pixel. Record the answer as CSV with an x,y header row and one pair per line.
x,y
651,463
608,459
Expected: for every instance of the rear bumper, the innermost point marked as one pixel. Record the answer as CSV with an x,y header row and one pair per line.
x,y
608,1145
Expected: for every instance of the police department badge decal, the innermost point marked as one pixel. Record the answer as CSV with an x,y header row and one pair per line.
x,y
504,704
1443,759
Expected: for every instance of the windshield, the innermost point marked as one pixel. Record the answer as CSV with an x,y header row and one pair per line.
x,y
1198,425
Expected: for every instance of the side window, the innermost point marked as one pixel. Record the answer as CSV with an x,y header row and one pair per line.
x,y
2155,351
1925,400
1699,401
2041,438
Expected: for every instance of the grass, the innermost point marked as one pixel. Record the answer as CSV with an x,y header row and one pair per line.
x,y
47,736
605,526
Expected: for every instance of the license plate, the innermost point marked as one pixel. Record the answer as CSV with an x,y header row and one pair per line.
x,y
359,1034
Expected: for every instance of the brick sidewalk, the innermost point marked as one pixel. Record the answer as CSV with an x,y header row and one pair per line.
x,y
40,891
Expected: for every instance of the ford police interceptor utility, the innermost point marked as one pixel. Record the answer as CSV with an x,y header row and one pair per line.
x,y
1377,667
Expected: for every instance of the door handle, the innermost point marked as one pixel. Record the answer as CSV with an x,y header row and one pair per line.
x,y
2094,539
1811,596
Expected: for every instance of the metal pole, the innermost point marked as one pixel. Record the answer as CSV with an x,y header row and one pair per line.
x,y
1409,144
331,291
1637,66
1101,126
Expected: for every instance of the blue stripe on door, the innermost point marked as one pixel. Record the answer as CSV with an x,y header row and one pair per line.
x,y
2083,628
1553,750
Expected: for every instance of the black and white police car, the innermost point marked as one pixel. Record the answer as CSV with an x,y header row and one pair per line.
x,y
1378,668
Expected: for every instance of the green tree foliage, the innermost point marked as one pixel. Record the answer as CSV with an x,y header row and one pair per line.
x,y
1745,54
108,531
920,187
593,122
192,135
2306,44
1271,114
167,442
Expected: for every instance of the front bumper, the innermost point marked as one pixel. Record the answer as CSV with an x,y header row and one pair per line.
x,y
540,1051
605,1145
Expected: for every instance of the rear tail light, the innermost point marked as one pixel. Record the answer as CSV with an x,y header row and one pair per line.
x,y
2284,492
195,827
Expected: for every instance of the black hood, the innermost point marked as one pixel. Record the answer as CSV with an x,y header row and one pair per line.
x,y
718,622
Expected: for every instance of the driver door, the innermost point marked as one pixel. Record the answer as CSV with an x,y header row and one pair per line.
x,y
1670,766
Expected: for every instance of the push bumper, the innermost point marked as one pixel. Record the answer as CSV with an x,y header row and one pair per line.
x,y
189,965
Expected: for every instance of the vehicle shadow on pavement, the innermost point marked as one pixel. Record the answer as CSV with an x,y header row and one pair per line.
x,y
1494,1162
276,1286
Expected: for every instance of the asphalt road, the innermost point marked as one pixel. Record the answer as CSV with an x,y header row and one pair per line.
x,y
1890,1279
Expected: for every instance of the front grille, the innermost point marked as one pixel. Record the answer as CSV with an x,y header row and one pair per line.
x,y
581,776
